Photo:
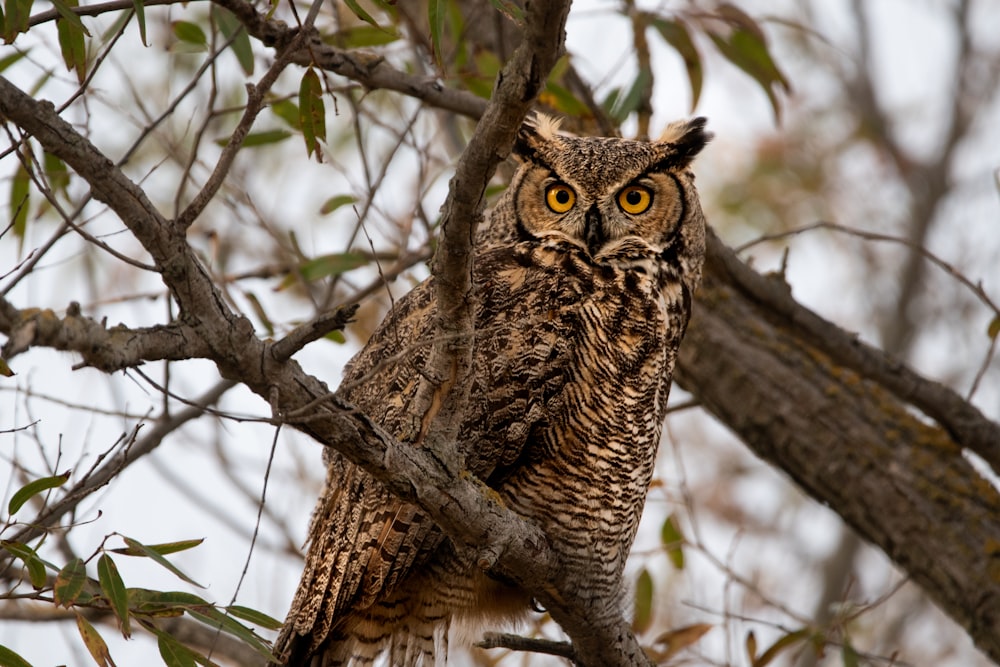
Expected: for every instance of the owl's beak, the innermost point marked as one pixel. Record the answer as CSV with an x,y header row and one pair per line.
x,y
594,231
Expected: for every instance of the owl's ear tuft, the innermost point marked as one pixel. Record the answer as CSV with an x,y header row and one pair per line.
x,y
537,130
683,140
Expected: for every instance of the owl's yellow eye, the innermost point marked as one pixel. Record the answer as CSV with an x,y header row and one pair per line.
x,y
635,199
560,197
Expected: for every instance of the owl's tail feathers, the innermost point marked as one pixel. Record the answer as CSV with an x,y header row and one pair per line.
x,y
410,642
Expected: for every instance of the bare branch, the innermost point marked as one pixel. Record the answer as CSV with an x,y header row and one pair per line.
x,y
368,69
529,644
126,456
106,349
311,331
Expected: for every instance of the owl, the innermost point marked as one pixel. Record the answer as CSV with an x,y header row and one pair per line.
x,y
584,276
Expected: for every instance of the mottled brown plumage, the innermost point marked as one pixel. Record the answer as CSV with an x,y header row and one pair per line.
x,y
584,280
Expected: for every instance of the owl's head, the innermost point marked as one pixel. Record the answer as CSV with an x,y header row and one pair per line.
x,y
612,197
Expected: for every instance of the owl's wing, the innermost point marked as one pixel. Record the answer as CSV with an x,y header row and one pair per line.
x,y
363,540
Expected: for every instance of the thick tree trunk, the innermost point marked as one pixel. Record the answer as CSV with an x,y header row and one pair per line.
x,y
903,484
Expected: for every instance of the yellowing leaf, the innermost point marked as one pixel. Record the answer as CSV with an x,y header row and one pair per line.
x,y
69,583
782,643
993,330
678,639
95,644
312,112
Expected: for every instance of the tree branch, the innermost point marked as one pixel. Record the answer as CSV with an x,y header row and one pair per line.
x,y
365,67
106,349
963,421
768,370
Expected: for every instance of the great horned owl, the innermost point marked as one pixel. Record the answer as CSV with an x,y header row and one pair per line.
x,y
584,279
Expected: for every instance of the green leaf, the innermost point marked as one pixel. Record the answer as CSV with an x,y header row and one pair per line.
x,y
190,33
673,541
20,190
312,112
337,336
10,659
17,14
34,564
258,309
140,16
94,642
139,549
163,604
785,641
746,48
253,616
849,655
174,653
360,13
216,619
56,173
73,49
562,100
230,26
114,590
629,102
287,111
993,330
69,583
643,616
333,203
325,266
255,139
12,58
64,7
676,33
436,15
162,549
33,488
